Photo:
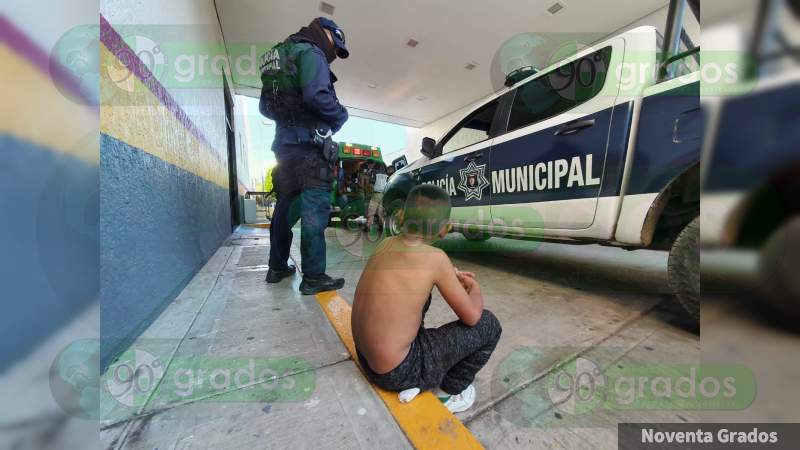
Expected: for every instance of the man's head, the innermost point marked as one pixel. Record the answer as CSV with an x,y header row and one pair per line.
x,y
335,35
427,212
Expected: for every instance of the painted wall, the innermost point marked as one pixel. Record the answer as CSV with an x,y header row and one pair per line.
x,y
164,188
49,235
49,180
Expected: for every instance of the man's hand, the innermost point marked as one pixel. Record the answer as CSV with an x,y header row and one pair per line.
x,y
459,289
467,280
460,273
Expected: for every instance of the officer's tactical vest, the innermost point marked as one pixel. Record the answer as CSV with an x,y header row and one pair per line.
x,y
281,96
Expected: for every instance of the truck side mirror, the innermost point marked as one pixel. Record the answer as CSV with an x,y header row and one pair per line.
x,y
428,147
400,162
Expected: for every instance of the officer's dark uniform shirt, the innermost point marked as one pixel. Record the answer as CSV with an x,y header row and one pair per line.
x,y
319,97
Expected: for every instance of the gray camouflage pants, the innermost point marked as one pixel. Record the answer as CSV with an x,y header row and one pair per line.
x,y
448,357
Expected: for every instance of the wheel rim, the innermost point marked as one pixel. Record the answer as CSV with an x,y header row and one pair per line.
x,y
349,223
394,222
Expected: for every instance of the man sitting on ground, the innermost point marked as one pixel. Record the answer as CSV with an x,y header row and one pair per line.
x,y
394,348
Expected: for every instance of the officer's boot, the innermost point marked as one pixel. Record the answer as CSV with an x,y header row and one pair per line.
x,y
313,284
276,275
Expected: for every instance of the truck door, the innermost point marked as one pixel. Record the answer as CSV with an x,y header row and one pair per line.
x,y
462,168
547,169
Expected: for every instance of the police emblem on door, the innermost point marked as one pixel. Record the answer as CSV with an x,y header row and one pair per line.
x,y
473,181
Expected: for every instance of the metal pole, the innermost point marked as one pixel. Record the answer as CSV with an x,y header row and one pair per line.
x,y
765,17
672,35
695,6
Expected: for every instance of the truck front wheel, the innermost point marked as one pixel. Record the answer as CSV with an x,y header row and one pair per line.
x,y
778,265
475,235
393,217
683,268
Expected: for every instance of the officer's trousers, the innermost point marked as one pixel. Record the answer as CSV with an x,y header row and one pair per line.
x,y
297,200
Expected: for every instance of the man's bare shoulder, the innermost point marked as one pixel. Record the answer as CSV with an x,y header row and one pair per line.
x,y
398,250
437,254
431,258
440,259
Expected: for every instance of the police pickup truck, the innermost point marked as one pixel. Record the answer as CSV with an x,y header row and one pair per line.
x,y
750,177
601,147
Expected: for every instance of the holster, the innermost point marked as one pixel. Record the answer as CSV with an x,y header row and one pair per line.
x,y
321,162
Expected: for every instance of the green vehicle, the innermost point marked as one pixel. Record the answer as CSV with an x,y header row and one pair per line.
x,y
357,165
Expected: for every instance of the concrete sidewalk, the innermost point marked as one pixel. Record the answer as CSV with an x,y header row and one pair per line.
x,y
228,311
560,306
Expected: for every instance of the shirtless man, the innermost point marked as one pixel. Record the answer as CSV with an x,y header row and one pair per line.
x,y
394,348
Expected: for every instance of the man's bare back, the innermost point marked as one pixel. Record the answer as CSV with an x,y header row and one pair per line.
x,y
396,283
394,350
387,309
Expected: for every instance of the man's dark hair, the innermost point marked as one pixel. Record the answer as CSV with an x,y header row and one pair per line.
x,y
427,211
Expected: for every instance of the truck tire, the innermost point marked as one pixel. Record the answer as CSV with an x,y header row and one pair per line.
x,y
476,238
683,268
348,221
391,223
777,266
475,235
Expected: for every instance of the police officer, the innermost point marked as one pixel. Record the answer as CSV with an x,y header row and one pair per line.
x,y
298,94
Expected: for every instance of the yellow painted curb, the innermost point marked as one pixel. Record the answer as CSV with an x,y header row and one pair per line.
x,y
256,225
427,423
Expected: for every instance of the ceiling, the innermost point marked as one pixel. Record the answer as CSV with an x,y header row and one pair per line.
x,y
415,86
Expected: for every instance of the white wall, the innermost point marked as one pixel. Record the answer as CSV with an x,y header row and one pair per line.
x,y
46,28
195,24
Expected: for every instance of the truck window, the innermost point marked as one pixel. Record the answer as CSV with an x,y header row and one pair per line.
x,y
475,128
559,90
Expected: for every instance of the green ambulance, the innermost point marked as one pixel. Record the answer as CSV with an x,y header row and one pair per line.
x,y
348,199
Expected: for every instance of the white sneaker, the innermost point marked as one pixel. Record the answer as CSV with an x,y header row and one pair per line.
x,y
461,402
407,395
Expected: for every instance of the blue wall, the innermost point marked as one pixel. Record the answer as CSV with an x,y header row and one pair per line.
x,y
49,256
158,225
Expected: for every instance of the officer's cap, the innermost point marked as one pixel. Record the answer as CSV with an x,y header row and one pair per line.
x,y
338,36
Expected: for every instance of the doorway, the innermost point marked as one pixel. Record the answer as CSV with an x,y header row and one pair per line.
x,y
233,179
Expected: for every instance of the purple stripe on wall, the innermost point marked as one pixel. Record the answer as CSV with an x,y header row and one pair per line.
x,y
117,46
25,47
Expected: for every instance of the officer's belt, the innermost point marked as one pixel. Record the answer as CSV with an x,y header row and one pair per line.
x,y
310,125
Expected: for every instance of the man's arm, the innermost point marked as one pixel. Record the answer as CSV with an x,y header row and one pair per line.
x,y
466,303
318,97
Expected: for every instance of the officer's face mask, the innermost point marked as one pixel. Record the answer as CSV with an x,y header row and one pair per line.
x,y
330,51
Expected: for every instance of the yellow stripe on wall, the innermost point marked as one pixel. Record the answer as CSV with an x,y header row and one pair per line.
x,y
427,423
34,110
138,118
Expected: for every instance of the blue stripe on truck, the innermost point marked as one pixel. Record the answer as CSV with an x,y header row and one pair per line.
x,y
669,138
